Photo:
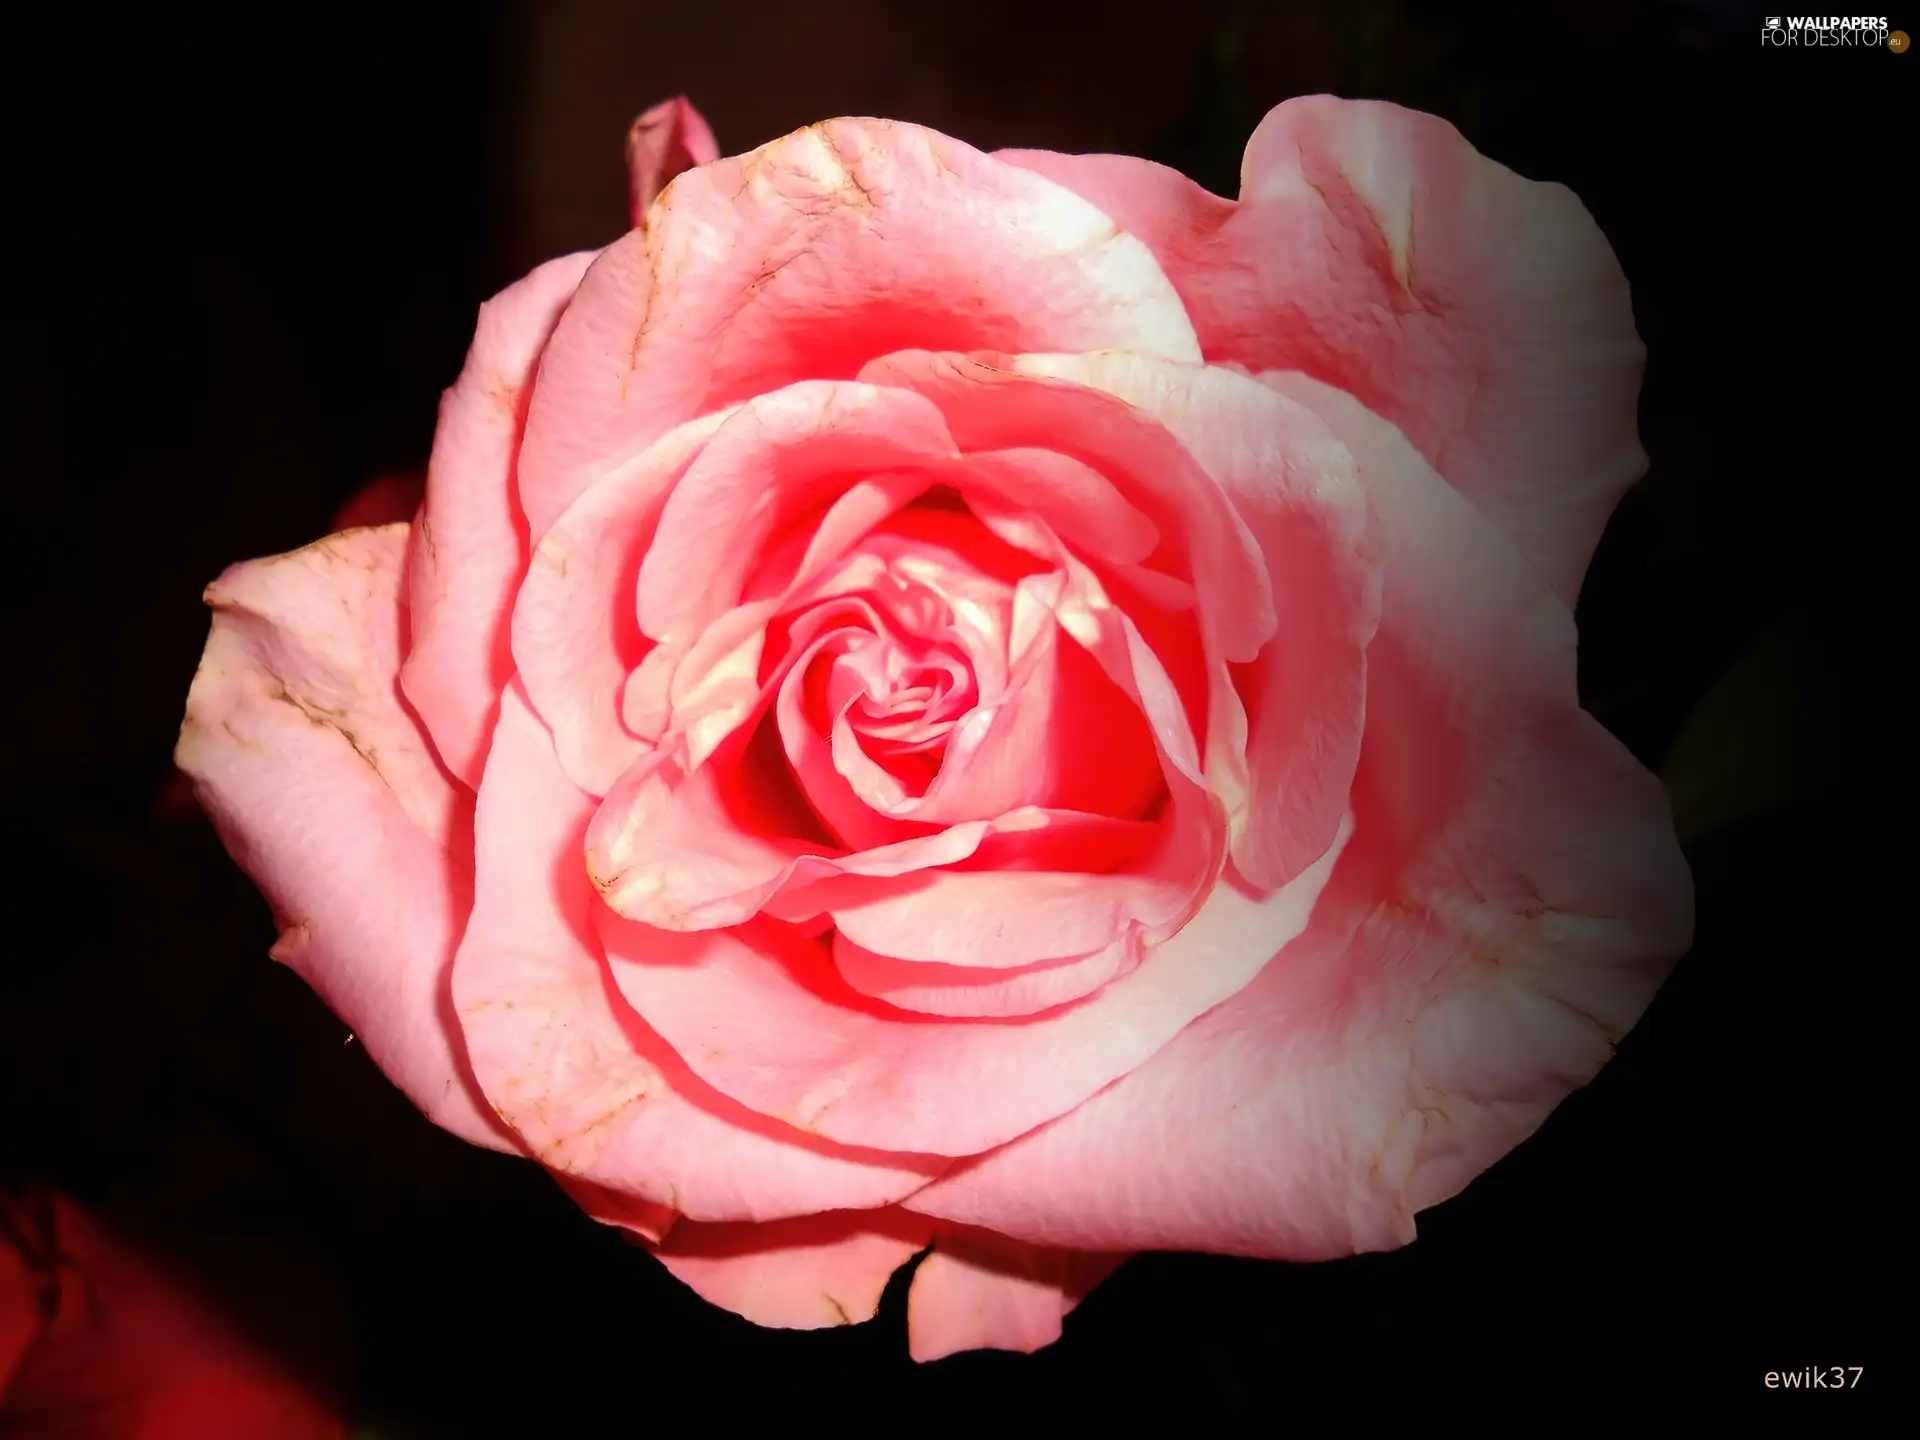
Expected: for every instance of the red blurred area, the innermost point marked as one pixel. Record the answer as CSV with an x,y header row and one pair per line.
x,y
99,1341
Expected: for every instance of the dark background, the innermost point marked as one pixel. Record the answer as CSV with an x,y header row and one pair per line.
x,y
251,244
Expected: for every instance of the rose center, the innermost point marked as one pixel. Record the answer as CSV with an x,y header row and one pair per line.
x,y
893,678
920,679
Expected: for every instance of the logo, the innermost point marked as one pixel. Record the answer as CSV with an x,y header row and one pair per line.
x,y
1856,31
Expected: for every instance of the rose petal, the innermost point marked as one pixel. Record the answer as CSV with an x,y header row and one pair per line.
x,y
686,851
1374,249
1160,659
990,406
1512,898
700,692
761,1014
708,688
575,635
649,1221
1019,841
1062,734
808,257
592,1091
987,920
985,1292
469,545
854,822
813,552
670,847
1080,504
667,141
327,794
1295,486
996,992
1144,673
807,1273
778,457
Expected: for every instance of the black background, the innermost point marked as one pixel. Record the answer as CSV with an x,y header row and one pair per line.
x,y
248,254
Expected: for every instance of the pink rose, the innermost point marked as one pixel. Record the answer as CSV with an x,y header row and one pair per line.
x,y
1001,703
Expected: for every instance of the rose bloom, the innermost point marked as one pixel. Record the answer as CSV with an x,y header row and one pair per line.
x,y
1002,706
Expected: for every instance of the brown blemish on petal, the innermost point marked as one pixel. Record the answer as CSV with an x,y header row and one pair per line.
x,y
610,1114
1301,169
812,1107
328,718
849,178
939,161
234,735
654,259
293,941
1399,249
838,1308
560,1149
1104,236
328,546
553,555
506,396
1398,1156
1403,259
1496,945
759,282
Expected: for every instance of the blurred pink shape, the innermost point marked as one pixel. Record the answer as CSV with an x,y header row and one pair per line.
x,y
98,1340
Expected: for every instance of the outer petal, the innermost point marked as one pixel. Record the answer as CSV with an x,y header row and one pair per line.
x,y
762,1014
808,1273
808,257
611,1207
668,140
470,544
593,1092
1374,249
1512,898
328,795
978,1291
